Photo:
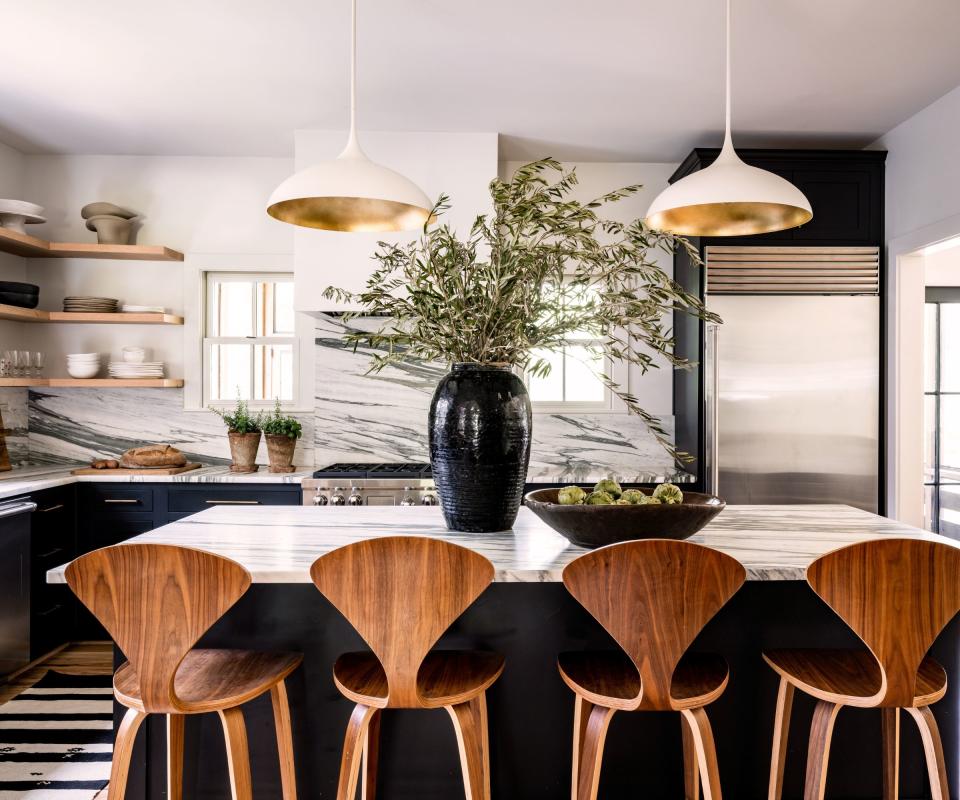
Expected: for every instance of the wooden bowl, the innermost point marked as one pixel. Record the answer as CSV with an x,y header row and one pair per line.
x,y
596,526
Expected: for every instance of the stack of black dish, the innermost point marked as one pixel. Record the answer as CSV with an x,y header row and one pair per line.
x,y
24,295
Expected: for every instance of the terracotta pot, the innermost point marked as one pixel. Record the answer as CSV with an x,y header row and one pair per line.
x,y
280,450
243,450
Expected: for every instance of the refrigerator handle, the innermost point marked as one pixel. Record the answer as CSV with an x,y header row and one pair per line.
x,y
712,410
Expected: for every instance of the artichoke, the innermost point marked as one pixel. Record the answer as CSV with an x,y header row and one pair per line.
x,y
649,500
571,496
599,499
610,486
669,494
633,496
622,502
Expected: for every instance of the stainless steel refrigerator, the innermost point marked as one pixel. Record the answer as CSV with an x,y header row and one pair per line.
x,y
792,385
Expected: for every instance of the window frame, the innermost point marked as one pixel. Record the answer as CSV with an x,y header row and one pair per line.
x,y
196,268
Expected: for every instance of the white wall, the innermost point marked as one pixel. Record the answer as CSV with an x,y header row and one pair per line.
x,y
11,267
923,171
655,389
195,205
942,268
458,164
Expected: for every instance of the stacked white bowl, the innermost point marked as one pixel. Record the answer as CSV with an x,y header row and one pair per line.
x,y
83,365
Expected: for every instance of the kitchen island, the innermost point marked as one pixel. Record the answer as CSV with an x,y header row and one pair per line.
x,y
528,616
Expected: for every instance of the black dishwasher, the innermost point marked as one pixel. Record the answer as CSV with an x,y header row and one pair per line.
x,y
15,584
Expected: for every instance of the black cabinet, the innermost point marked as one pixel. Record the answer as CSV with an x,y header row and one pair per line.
x,y
202,496
14,584
52,543
846,191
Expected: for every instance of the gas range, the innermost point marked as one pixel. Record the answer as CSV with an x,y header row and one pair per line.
x,y
371,485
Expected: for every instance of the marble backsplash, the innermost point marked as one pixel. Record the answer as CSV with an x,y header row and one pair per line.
x,y
382,417
357,417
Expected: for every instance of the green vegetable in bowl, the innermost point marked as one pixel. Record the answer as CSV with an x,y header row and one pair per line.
x,y
649,500
610,486
669,494
621,502
571,496
599,499
633,496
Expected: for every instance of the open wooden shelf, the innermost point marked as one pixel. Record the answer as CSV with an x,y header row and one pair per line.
x,y
17,314
96,383
23,244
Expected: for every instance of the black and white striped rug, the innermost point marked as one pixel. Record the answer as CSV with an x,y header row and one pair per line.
x,y
56,739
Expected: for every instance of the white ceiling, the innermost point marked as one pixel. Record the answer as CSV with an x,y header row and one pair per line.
x,y
578,79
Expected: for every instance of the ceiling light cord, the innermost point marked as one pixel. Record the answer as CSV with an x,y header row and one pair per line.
x,y
352,150
728,136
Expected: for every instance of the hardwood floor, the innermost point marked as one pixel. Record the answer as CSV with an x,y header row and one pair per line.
x,y
78,658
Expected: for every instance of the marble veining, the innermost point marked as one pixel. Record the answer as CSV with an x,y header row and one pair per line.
x,y
364,416
278,544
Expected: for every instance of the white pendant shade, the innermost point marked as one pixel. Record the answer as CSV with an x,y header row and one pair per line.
x,y
729,198
351,193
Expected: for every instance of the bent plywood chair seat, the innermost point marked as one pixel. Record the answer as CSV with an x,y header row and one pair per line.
x,y
156,601
653,597
401,593
897,595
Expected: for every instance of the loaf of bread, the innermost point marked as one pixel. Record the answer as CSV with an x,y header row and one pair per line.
x,y
153,455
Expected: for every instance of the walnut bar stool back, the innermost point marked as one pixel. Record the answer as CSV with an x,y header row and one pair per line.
x,y
653,597
157,601
401,593
896,595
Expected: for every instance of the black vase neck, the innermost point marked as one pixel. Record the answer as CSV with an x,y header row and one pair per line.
x,y
470,366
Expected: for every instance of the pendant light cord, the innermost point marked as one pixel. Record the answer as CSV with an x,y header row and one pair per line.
x,y
727,136
352,150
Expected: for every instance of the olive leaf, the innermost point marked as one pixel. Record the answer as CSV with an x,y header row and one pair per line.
x,y
541,272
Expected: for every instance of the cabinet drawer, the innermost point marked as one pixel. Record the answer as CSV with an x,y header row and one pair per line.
x,y
198,499
103,529
121,497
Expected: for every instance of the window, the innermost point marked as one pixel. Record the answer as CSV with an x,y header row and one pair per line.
x,y
572,383
250,346
941,470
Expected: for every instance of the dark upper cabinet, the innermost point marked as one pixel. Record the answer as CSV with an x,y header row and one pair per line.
x,y
844,187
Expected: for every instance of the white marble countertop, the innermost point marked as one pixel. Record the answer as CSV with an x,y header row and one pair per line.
x,y
24,480
278,544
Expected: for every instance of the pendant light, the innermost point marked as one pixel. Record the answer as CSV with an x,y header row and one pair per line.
x,y
729,198
351,193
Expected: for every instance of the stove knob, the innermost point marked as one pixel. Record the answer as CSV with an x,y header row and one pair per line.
x,y
408,499
337,498
429,500
320,499
355,499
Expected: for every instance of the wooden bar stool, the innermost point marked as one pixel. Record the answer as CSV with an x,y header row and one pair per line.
x,y
156,601
653,597
896,595
401,593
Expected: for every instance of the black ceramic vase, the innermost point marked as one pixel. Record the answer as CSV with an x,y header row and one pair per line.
x,y
480,423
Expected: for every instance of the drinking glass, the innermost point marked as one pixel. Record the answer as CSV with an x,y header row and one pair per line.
x,y
37,363
6,365
15,364
26,363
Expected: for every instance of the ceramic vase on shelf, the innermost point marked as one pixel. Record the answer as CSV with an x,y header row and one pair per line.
x,y
280,451
243,451
479,425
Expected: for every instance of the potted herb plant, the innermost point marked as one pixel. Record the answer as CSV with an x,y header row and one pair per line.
x,y
540,273
243,431
281,432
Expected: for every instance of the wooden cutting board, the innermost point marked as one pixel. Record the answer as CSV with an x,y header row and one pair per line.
x,y
143,471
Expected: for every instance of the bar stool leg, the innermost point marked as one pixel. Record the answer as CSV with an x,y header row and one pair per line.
x,y
592,754
818,752
581,714
891,753
470,724
706,751
281,721
122,750
238,754
691,770
781,731
933,749
353,751
371,755
175,756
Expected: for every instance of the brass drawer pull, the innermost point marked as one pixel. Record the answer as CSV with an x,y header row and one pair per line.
x,y
57,507
232,502
122,501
